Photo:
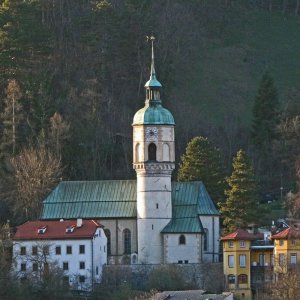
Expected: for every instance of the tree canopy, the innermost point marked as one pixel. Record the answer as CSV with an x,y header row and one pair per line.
x,y
202,161
240,207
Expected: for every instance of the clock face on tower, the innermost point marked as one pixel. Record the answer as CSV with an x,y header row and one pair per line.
x,y
151,134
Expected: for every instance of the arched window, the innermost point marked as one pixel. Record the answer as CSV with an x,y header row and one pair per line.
x,y
152,152
137,152
127,241
231,279
166,152
205,240
107,233
243,278
182,240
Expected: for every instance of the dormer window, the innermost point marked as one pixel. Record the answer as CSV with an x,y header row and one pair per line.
x,y
70,229
42,230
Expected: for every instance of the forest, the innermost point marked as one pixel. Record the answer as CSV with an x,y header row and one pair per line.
x,y
73,75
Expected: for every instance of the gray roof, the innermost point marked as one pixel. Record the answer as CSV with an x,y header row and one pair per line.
x,y
108,199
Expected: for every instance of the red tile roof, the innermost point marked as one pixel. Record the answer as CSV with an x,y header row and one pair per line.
x,y
288,233
55,230
241,234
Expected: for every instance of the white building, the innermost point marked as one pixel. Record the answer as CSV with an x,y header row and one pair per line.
x,y
150,220
78,247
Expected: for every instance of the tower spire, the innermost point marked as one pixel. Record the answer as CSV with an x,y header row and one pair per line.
x,y
152,82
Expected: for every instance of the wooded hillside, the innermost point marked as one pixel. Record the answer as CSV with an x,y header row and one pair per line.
x,y
79,67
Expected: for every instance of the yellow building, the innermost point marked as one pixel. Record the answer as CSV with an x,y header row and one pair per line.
x,y
247,259
286,249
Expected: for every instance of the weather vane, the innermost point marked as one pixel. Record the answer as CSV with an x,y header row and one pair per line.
x,y
150,38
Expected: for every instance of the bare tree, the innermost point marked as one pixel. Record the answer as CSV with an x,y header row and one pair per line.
x,y
59,132
11,116
33,173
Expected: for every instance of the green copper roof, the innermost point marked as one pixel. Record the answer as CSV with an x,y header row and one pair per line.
x,y
190,199
153,113
108,199
91,199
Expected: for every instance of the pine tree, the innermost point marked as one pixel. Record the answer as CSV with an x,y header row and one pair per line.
x,y
202,161
240,207
265,114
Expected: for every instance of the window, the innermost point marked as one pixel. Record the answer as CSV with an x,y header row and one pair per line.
x,y
281,260
180,261
294,242
69,249
107,233
23,267
81,279
293,258
166,152
97,270
182,240
262,259
230,244
58,250
81,249
46,250
242,261
34,267
231,279
243,279
186,261
205,239
152,226
23,250
281,242
127,241
81,265
230,261
242,244
34,250
152,152
65,266
137,152
156,205
66,281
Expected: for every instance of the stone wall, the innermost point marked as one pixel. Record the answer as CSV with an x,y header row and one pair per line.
x,y
206,276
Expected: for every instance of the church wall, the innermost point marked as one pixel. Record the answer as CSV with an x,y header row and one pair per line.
x,y
116,228
211,223
190,252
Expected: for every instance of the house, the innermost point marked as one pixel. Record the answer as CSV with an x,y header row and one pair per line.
x,y
251,260
150,220
287,245
77,247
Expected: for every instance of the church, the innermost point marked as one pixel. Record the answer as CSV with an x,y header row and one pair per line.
x,y
150,220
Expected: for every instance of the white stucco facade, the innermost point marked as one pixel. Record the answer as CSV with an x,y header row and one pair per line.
x,y
210,248
80,259
182,248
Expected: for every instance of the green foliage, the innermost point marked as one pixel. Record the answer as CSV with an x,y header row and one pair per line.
x,y
241,206
265,114
202,161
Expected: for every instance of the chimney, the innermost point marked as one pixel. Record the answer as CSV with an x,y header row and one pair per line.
x,y
79,222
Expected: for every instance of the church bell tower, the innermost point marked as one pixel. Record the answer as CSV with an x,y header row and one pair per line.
x,y
153,161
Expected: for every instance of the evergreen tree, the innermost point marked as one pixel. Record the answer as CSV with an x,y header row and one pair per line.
x,y
240,207
265,114
202,161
